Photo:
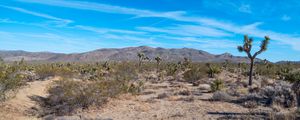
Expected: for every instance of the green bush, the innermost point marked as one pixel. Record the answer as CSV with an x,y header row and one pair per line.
x,y
194,74
293,77
66,96
10,80
217,85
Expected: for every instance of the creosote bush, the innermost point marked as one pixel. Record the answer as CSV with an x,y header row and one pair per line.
x,y
66,95
195,73
10,80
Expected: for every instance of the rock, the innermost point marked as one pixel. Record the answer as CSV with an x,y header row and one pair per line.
x,y
221,96
205,87
49,117
162,96
68,118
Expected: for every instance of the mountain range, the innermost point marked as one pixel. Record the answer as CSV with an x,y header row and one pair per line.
x,y
122,54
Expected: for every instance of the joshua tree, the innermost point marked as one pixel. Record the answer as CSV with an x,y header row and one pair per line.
x,y
225,64
141,58
247,49
158,60
106,66
212,70
186,63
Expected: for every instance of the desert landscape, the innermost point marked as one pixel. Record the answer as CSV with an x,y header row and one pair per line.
x,y
149,60
147,88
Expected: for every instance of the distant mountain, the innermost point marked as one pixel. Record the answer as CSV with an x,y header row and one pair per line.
x,y
285,62
123,54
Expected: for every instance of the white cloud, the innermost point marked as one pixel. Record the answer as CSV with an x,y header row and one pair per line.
x,y
105,8
60,20
204,43
188,30
106,30
252,29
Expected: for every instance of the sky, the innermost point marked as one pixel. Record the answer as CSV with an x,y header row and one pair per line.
x,y
215,26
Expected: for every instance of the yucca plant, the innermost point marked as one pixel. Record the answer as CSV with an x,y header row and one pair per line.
x,y
247,47
212,70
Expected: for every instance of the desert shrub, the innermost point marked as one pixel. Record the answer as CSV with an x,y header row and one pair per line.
x,y
172,69
217,85
125,71
292,77
283,116
58,69
135,88
194,74
67,96
280,94
283,71
45,71
268,70
10,80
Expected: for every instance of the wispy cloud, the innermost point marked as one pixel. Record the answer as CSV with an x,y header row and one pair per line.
x,y
188,30
42,15
105,8
252,29
106,30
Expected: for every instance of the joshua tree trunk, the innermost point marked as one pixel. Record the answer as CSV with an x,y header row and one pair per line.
x,y
140,62
251,72
157,67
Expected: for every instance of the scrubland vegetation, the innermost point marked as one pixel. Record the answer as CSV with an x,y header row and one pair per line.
x,y
91,85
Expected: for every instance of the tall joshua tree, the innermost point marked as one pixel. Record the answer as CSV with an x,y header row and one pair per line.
x,y
247,47
141,58
158,60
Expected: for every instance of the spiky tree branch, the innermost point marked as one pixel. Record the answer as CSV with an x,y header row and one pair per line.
x,y
247,47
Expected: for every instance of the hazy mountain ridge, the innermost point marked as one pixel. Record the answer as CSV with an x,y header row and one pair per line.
x,y
122,54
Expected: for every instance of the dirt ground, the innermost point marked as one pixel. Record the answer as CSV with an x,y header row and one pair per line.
x,y
159,101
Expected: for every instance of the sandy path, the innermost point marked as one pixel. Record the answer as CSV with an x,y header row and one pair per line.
x,y
15,108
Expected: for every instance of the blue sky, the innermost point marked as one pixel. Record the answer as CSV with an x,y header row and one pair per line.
x,y
216,26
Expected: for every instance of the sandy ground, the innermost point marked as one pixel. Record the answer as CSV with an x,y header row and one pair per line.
x,y
158,101
15,108
173,106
